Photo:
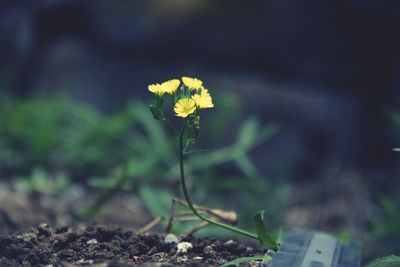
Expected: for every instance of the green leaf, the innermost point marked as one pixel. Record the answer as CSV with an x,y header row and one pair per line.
x,y
157,200
263,236
247,135
92,210
247,259
389,261
246,166
159,140
101,182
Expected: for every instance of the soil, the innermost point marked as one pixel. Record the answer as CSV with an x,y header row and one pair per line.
x,y
21,210
82,245
26,241
107,246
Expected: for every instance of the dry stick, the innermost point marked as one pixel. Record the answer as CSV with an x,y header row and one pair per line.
x,y
150,225
182,216
171,216
226,216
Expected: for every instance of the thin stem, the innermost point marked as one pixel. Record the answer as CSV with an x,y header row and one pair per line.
x,y
189,201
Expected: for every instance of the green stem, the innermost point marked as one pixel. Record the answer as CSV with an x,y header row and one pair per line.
x,y
189,201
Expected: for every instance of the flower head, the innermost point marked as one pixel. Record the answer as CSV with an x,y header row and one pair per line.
x,y
156,89
184,107
170,86
192,83
203,100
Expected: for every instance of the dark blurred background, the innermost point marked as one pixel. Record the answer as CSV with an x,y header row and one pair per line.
x,y
326,71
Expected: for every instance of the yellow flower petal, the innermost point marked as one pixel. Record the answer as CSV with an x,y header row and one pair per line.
x,y
170,86
156,89
192,83
204,90
203,100
184,107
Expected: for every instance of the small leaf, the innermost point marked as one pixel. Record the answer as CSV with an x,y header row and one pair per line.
x,y
263,236
246,259
389,261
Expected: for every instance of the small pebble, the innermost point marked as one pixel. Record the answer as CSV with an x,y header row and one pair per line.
x,y
159,257
84,262
183,247
182,259
92,241
44,229
249,249
209,251
230,242
171,238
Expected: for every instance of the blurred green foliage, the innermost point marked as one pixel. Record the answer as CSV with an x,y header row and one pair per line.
x,y
384,228
389,261
154,171
41,182
60,133
128,150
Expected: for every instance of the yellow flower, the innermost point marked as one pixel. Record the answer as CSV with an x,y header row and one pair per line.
x,y
156,89
203,100
192,83
184,107
170,86
204,90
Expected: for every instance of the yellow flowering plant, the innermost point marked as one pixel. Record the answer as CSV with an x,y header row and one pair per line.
x,y
189,99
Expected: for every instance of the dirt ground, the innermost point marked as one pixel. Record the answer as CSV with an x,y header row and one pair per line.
x,y
21,210
44,230
107,246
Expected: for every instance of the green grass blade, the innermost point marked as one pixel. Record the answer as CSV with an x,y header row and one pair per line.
x,y
389,261
156,200
263,236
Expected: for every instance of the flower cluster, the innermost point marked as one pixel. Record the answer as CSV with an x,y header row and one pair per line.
x,y
168,87
189,99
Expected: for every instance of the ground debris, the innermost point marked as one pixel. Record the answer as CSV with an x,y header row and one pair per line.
x,y
113,247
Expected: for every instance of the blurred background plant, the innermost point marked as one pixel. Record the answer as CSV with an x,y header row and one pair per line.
x,y
62,135
320,76
384,226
